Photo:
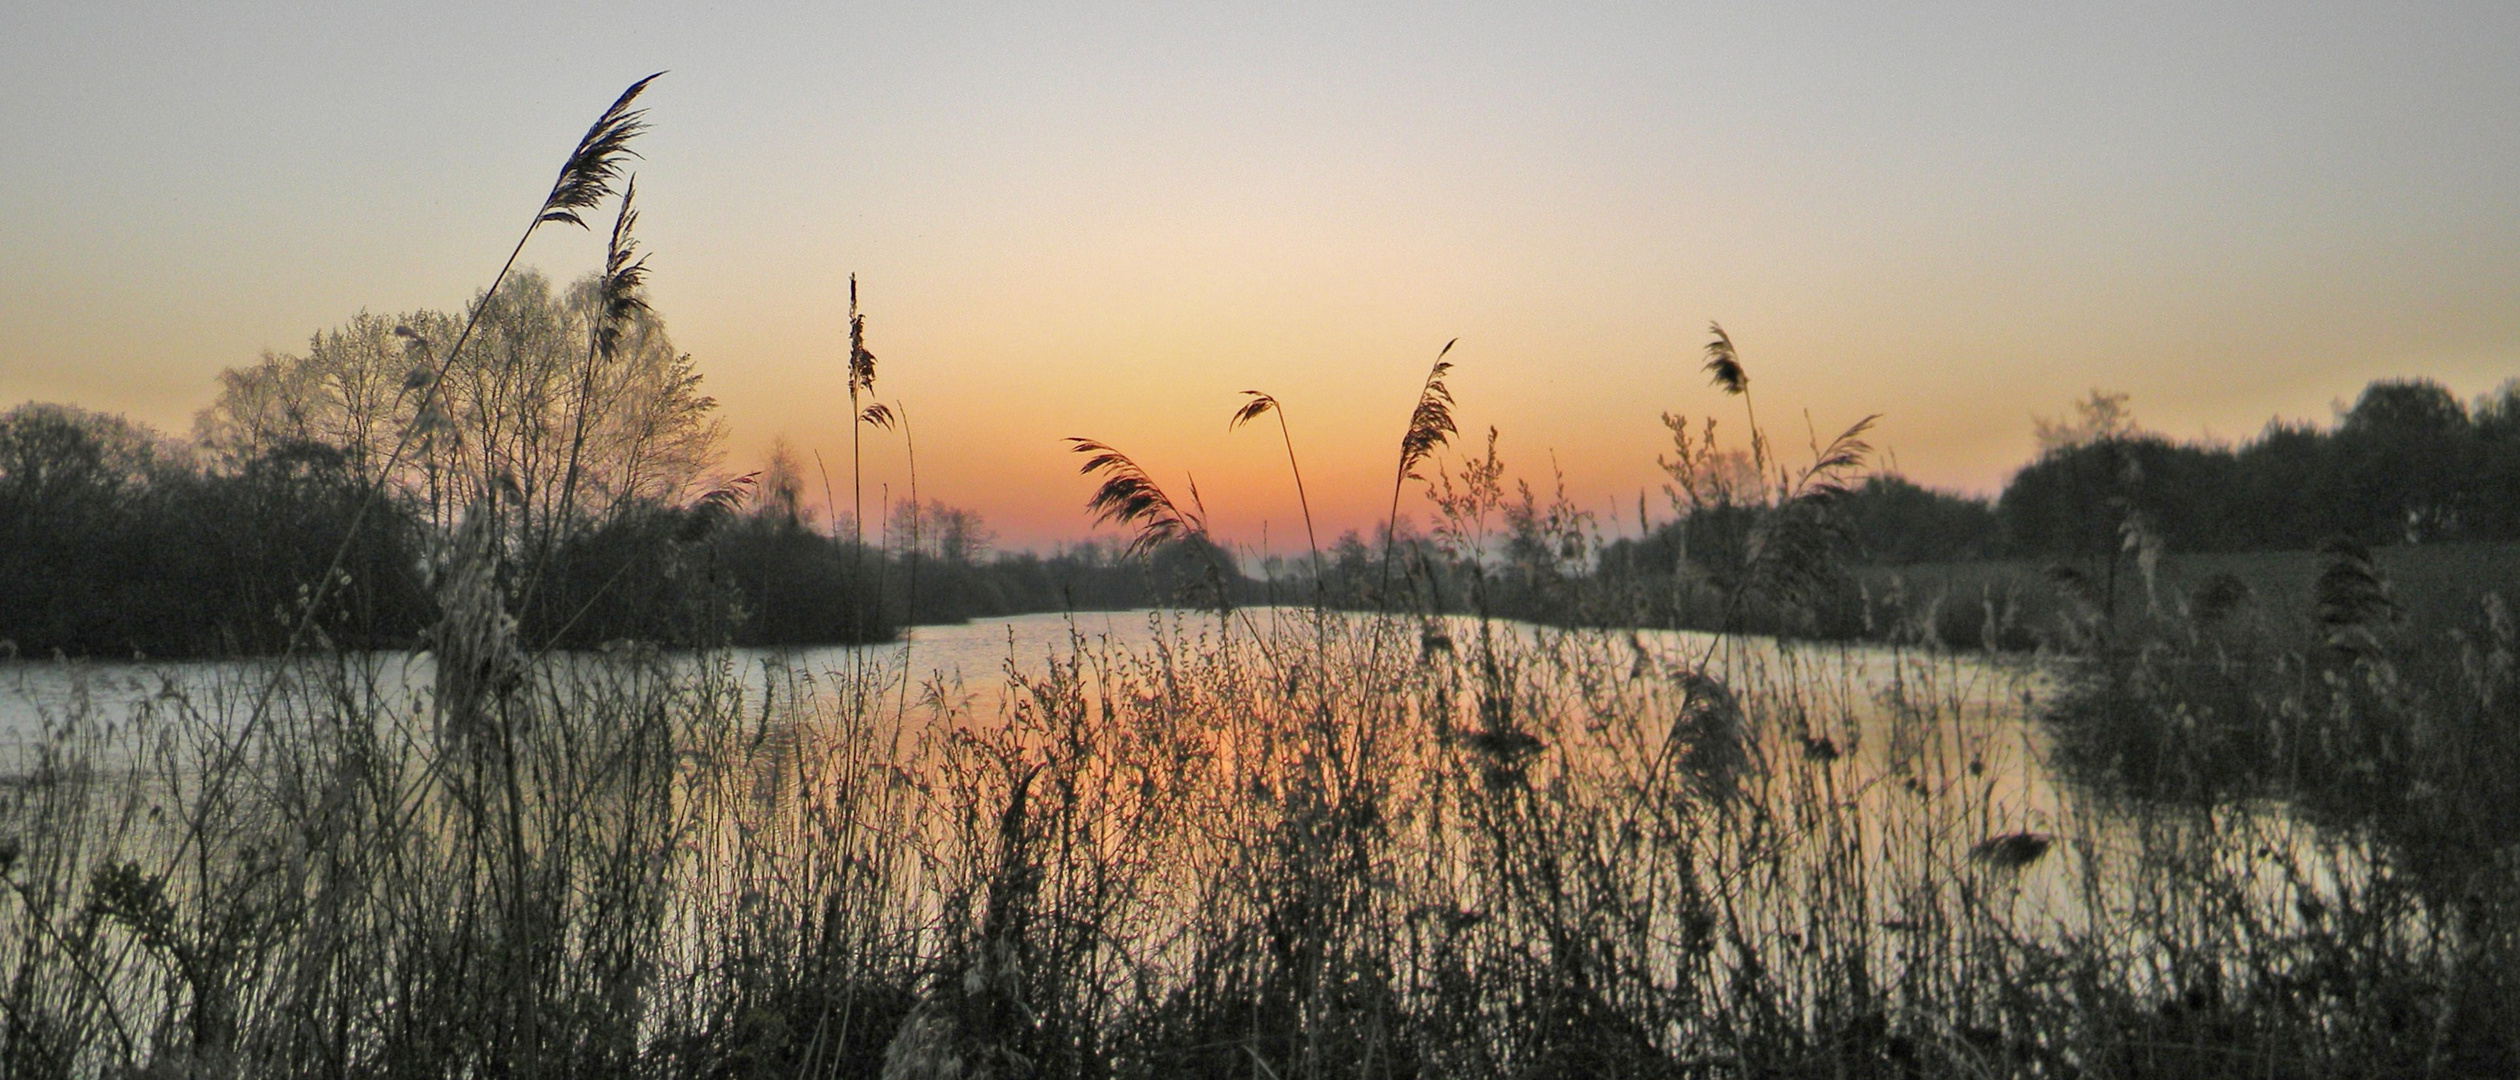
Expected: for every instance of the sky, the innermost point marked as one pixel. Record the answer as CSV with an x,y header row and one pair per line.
x,y
1107,220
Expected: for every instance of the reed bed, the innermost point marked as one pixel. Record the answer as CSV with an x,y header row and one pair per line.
x,y
1258,845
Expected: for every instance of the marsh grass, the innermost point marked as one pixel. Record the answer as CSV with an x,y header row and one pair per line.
x,y
1235,850
1282,843
1285,843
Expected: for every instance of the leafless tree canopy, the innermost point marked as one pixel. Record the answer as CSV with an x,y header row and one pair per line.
x,y
506,410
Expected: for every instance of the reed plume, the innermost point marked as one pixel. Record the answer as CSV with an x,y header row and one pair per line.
x,y
1258,405
861,362
1835,465
1431,423
1130,497
2353,598
716,507
1251,410
1794,550
621,291
2011,851
586,179
1430,427
1723,362
1724,370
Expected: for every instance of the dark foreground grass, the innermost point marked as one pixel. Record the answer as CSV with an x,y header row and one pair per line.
x,y
1263,847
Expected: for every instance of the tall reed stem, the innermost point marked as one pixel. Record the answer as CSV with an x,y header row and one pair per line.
x,y
585,181
1264,403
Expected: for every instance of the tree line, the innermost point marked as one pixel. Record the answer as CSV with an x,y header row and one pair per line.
x,y
2407,463
354,459
118,540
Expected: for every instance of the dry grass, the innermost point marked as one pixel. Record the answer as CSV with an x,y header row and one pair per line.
x,y
1238,849
1284,843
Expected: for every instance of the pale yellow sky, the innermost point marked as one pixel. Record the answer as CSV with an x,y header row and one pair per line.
x,y
1106,220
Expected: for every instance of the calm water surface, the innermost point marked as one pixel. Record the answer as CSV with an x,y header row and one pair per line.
x,y
974,654
1880,724
1856,692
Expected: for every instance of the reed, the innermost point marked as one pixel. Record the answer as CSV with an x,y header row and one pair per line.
x,y
1235,850
476,649
1430,427
1723,369
584,182
2217,840
1255,406
1227,851
1128,496
861,379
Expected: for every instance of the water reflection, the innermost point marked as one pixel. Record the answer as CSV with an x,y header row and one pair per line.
x,y
1912,742
1685,811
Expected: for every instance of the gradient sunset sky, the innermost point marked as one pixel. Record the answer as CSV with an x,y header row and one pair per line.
x,y
1107,220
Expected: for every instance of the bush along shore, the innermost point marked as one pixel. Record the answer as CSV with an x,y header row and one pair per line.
x,y
123,542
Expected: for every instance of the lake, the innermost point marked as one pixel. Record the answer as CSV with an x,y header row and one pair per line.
x,y
1451,810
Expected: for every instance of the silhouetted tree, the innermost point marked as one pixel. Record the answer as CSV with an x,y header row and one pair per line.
x,y
2408,454
1895,522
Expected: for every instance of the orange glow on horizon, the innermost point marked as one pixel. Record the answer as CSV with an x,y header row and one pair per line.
x,y
1108,223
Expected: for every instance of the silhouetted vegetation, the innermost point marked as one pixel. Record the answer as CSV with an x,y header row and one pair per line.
x,y
2270,829
140,544
114,542
122,542
2407,464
